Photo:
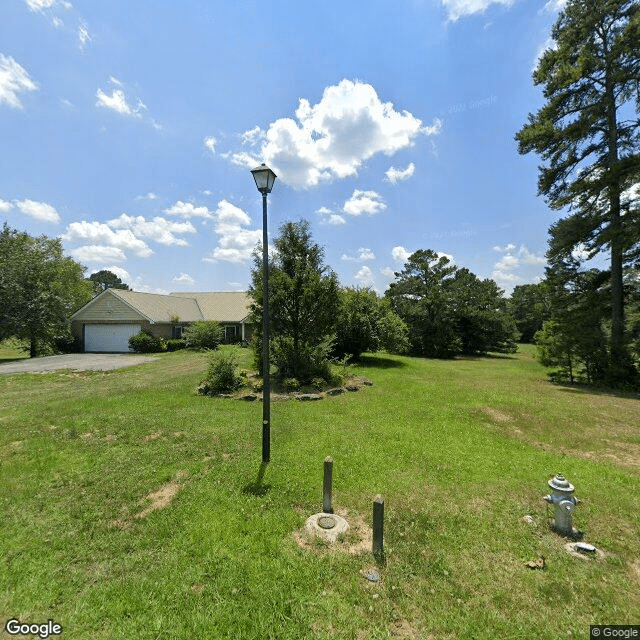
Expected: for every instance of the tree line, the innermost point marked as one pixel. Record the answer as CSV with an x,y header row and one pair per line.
x,y
432,309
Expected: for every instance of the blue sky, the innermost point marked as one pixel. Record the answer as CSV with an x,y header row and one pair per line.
x,y
129,128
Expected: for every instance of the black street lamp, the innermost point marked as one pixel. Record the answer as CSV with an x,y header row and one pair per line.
x,y
265,178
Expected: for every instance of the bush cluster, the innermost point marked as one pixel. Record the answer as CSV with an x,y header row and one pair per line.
x,y
145,342
201,335
222,375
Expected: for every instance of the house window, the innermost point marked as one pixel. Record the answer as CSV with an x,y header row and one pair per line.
x,y
230,332
177,331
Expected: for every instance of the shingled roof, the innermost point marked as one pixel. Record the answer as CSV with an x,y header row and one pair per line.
x,y
186,306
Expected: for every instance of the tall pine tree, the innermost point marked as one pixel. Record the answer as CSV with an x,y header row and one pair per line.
x,y
588,135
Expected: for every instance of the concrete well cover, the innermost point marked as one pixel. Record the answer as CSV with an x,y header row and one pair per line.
x,y
318,525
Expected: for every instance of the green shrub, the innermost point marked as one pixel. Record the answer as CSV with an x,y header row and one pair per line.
x,y
291,384
175,344
145,342
204,334
222,375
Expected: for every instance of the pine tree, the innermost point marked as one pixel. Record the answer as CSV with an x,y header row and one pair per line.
x,y
588,135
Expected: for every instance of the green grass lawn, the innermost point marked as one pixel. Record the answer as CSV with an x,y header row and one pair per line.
x,y
12,349
133,508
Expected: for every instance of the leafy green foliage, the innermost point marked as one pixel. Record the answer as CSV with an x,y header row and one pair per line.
x,y
106,279
203,334
574,339
40,288
529,306
146,342
222,375
448,310
590,153
366,323
303,303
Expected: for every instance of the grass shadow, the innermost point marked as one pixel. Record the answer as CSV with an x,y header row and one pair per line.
x,y
586,390
258,488
379,362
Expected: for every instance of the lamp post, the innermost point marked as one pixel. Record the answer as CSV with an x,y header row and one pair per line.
x,y
265,178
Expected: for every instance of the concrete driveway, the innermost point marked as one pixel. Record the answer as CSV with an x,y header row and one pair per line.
x,y
75,362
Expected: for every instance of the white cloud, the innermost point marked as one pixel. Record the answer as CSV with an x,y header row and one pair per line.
x,y
210,143
159,229
516,267
84,37
461,8
38,210
333,138
99,254
13,80
360,202
5,206
40,5
336,220
394,175
188,210
400,254
184,279
364,276
253,136
102,234
149,196
555,6
448,256
235,240
117,101
363,255
388,272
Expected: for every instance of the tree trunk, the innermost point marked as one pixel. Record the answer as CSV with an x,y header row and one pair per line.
x,y
616,352
33,352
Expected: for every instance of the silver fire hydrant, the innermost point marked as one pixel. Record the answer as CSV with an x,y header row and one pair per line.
x,y
565,502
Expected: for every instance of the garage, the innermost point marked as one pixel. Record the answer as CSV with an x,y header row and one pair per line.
x,y
112,338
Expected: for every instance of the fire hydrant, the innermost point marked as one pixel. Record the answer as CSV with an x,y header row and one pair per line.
x,y
565,502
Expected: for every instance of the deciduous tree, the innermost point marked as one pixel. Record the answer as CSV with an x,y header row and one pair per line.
x,y
39,288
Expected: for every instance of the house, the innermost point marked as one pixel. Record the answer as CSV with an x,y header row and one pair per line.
x,y
106,323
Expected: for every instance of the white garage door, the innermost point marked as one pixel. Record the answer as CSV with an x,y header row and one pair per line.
x,y
109,337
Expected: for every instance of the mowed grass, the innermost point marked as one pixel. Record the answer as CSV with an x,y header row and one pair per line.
x,y
134,508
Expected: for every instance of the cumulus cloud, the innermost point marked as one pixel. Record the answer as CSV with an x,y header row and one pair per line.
x,y
332,139
364,276
457,9
188,210
184,279
5,206
210,143
360,202
118,102
555,6
394,175
159,229
236,240
38,210
14,80
99,254
400,254
363,255
102,234
516,266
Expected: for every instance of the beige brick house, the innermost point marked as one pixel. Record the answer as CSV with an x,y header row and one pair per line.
x,y
106,323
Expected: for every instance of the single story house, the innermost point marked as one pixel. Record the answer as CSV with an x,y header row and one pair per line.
x,y
106,323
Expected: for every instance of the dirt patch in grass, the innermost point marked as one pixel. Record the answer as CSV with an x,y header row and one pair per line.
x,y
495,415
152,436
357,540
159,499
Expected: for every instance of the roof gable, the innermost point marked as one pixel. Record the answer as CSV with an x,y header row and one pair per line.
x,y
123,305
